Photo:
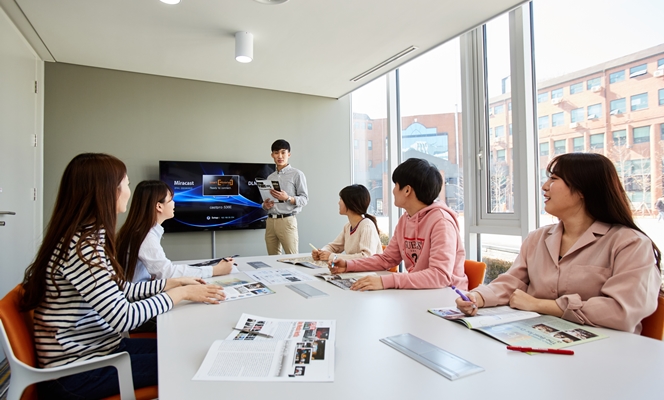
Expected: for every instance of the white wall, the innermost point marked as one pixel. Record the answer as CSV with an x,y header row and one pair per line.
x,y
142,119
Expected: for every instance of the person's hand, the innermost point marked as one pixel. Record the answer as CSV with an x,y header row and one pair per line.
x,y
315,254
470,307
325,255
523,301
279,194
268,203
339,266
199,293
182,281
223,267
368,283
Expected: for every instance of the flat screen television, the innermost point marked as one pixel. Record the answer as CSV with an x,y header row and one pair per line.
x,y
214,195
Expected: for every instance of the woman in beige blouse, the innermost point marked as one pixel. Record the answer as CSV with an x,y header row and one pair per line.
x,y
594,267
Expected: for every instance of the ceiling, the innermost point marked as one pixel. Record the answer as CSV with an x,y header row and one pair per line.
x,y
311,47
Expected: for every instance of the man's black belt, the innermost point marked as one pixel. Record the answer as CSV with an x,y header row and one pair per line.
x,y
280,215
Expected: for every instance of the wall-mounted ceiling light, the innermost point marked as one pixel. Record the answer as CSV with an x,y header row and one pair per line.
x,y
244,47
170,1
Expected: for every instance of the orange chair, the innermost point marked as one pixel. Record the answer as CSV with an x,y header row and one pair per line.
x,y
16,339
653,326
475,271
395,268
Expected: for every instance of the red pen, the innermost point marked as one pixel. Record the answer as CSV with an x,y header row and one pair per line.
x,y
532,350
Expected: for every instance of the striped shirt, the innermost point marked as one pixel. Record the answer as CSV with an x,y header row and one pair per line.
x,y
87,318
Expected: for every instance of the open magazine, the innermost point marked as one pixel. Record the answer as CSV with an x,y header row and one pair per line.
x,y
264,186
308,262
236,288
268,349
522,328
345,280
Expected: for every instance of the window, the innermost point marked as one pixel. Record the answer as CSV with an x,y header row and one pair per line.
x,y
370,164
661,131
593,83
559,147
576,88
639,101
620,137
500,131
510,127
577,115
558,119
542,97
369,125
660,63
597,141
544,149
638,70
509,106
617,77
557,94
618,106
543,122
578,144
369,145
641,135
355,143
594,111
499,109
500,155
661,97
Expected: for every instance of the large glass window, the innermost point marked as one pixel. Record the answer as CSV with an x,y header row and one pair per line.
x,y
577,115
369,106
578,144
544,149
542,97
638,70
557,94
430,105
543,122
616,77
559,147
576,88
594,83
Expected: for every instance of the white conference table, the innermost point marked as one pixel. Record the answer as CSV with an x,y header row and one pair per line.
x,y
623,366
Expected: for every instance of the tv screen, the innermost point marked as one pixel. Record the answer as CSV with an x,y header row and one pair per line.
x,y
214,195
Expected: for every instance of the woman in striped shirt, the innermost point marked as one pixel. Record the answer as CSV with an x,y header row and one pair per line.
x,y
81,302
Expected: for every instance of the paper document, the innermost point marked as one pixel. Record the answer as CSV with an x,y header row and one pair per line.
x,y
238,288
279,276
265,185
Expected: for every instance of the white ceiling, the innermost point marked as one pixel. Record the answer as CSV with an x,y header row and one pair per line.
x,y
302,46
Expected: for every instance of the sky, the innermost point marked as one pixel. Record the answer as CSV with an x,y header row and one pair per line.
x,y
569,35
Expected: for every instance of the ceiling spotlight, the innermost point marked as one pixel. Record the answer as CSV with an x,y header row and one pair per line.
x,y
170,1
244,47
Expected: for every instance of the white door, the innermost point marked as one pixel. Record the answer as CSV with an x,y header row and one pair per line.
x,y
20,159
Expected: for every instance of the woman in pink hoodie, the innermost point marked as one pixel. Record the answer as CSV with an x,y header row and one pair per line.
x,y
426,238
595,267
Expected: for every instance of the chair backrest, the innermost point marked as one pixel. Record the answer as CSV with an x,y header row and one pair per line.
x,y
396,267
20,333
653,326
475,271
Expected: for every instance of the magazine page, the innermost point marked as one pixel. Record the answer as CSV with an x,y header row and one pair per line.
x,y
236,288
305,261
345,280
264,187
544,331
485,316
307,353
279,276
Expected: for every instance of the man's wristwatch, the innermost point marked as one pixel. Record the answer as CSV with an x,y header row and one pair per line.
x,y
290,199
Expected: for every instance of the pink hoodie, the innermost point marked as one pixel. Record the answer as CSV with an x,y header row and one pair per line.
x,y
429,244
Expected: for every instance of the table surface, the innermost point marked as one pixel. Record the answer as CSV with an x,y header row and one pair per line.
x,y
620,367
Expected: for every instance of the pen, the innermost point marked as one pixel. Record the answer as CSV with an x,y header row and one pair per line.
x,y
463,296
333,260
313,247
532,350
226,259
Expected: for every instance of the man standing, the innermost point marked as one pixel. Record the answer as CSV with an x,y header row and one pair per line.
x,y
281,227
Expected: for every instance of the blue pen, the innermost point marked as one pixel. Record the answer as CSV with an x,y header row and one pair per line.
x,y
463,296
333,260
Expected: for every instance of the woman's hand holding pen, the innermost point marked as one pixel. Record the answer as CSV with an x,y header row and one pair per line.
x,y
337,265
224,267
470,307
324,255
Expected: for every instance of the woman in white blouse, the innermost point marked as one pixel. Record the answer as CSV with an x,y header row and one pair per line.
x,y
360,236
139,241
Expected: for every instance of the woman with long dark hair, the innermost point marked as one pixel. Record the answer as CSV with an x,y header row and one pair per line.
x,y
360,237
139,240
594,267
76,287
